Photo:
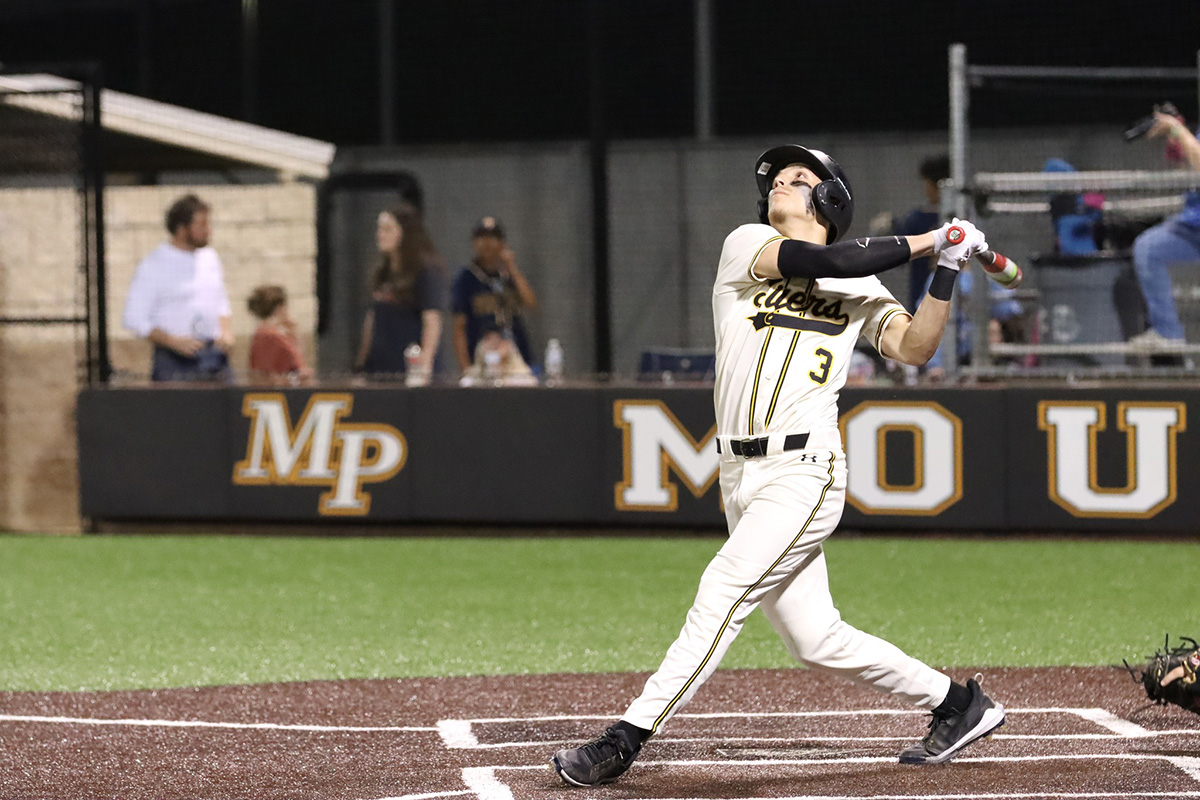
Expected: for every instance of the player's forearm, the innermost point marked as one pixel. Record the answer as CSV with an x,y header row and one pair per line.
x,y
921,245
924,333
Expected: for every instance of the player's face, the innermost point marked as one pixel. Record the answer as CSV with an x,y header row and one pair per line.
x,y
791,192
388,233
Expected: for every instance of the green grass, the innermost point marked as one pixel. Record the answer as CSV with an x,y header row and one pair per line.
x,y
131,612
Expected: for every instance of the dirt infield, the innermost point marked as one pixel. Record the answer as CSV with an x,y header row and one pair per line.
x,y
1071,733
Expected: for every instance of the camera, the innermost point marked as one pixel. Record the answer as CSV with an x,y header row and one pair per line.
x,y
1140,128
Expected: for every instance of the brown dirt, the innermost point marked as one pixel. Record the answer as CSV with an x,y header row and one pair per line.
x,y
742,755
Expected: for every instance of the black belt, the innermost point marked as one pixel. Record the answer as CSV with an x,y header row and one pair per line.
x,y
753,448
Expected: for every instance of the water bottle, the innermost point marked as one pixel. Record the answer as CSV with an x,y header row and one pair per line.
x,y
414,372
491,367
554,362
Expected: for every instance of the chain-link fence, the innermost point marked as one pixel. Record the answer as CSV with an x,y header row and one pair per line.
x,y
51,287
51,220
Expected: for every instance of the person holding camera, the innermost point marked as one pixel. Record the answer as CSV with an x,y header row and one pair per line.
x,y
1173,241
490,293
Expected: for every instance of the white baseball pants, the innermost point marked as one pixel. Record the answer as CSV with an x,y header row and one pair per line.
x,y
780,510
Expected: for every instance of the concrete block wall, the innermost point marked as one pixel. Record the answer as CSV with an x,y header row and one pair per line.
x,y
264,234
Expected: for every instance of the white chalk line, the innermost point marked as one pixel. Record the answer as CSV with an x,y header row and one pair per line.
x,y
1086,713
457,734
460,735
190,723
1189,764
717,739
489,787
486,785
801,762
427,795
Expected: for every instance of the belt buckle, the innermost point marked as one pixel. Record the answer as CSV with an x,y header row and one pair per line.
x,y
753,448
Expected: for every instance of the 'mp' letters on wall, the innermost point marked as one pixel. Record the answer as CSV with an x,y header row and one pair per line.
x,y
320,450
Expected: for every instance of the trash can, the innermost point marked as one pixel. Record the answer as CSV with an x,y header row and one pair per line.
x,y
1077,305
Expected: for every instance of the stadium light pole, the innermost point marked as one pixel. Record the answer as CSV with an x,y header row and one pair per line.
x,y
598,162
387,72
145,32
704,70
249,59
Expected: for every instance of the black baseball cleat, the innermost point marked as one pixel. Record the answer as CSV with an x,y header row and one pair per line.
x,y
601,761
948,735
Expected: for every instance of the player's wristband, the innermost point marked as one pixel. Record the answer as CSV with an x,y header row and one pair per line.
x,y
942,285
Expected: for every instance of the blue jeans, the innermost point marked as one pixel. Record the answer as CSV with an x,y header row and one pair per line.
x,y
209,364
1167,243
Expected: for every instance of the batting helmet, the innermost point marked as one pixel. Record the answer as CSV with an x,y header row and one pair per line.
x,y
832,197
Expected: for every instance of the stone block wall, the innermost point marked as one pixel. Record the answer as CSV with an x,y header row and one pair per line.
x,y
264,234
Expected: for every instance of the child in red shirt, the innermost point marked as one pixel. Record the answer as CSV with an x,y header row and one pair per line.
x,y
275,356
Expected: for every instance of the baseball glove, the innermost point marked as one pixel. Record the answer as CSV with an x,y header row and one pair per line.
x,y
1169,676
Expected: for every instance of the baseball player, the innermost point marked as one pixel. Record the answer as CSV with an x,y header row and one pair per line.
x,y
788,305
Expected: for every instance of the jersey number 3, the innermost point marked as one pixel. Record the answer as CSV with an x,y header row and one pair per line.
x,y
821,374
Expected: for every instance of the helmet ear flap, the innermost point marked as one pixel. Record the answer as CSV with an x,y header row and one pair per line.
x,y
834,206
763,207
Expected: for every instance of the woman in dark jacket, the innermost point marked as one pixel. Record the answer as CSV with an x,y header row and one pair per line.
x,y
408,294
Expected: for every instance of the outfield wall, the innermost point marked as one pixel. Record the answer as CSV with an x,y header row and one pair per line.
x,y
948,459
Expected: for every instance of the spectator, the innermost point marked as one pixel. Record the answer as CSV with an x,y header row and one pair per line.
x,y
275,355
498,362
1004,321
1175,240
490,292
178,301
1077,218
925,217
407,297
1005,310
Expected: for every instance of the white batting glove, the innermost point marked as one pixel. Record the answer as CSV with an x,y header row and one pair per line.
x,y
959,249
941,238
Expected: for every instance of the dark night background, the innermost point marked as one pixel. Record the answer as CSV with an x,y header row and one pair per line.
x,y
480,70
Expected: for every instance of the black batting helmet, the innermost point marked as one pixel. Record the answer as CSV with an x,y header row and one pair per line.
x,y
832,197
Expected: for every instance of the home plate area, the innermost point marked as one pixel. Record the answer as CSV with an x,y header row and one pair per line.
x,y
1071,733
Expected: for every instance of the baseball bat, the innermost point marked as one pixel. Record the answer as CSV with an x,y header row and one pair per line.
x,y
1000,268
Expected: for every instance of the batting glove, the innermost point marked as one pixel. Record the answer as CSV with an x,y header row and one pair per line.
x,y
942,238
939,237
960,248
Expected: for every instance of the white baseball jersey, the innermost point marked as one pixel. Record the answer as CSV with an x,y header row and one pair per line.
x,y
784,346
